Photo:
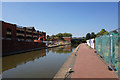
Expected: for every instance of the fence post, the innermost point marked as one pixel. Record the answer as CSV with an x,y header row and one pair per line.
x,y
101,46
110,50
94,43
118,38
119,53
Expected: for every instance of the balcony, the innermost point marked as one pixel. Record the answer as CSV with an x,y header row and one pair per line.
x,y
8,38
20,34
29,40
35,36
8,32
35,32
28,30
40,33
21,29
20,39
28,35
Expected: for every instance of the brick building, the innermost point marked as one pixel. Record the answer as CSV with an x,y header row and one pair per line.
x,y
19,33
67,39
17,39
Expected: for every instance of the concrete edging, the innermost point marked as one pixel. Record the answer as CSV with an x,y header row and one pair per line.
x,y
69,63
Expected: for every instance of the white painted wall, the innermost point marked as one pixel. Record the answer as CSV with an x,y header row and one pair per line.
x,y
90,43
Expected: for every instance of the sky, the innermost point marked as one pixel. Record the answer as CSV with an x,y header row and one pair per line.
x,y
77,18
60,0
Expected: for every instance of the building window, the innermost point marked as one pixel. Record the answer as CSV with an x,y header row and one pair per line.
x,y
8,34
20,38
8,37
9,30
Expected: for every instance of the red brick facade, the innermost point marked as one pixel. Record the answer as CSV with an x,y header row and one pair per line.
x,y
67,39
9,46
16,38
13,29
5,26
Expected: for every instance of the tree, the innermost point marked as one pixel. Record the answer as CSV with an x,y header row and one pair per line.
x,y
64,35
67,35
87,36
83,40
53,36
93,35
48,36
59,35
102,32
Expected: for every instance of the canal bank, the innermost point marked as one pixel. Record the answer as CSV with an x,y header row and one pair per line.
x,y
69,63
85,65
28,50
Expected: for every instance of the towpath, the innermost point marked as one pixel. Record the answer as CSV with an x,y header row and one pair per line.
x,y
88,65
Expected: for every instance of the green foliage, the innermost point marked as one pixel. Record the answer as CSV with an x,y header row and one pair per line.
x,y
59,35
78,40
67,35
93,35
48,36
64,35
53,36
102,32
48,39
87,36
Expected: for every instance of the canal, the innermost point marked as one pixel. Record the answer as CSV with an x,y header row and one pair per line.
x,y
43,63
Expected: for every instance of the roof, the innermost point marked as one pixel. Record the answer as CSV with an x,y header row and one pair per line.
x,y
31,28
114,31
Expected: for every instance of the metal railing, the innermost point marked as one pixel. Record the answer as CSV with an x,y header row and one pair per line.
x,y
20,34
28,35
21,29
8,32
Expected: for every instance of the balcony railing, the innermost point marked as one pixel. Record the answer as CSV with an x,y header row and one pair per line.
x,y
28,30
8,32
35,32
20,39
22,29
35,36
20,34
8,38
29,40
28,35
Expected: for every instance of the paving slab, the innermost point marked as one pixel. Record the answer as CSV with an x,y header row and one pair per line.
x,y
88,65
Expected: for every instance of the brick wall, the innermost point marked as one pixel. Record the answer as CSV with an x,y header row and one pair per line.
x,y
10,26
67,38
14,46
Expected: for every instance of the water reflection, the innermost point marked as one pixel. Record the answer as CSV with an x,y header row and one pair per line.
x,y
45,62
18,59
36,64
61,49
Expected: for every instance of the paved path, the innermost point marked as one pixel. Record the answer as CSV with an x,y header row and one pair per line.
x,y
88,65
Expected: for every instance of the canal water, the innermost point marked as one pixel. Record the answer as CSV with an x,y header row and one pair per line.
x,y
36,64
